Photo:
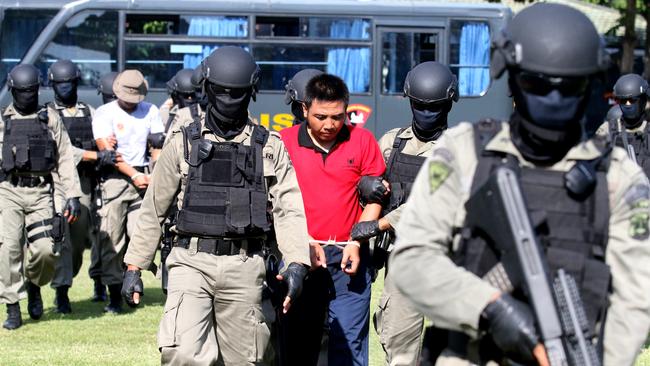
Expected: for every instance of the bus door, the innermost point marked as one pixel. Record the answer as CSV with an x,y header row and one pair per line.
x,y
399,50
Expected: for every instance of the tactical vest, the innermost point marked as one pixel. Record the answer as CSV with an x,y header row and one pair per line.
x,y
80,129
401,171
28,146
638,141
225,194
573,232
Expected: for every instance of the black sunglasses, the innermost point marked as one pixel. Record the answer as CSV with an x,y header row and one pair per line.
x,y
233,92
540,84
434,107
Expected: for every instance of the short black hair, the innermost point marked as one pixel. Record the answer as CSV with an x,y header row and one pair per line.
x,y
328,88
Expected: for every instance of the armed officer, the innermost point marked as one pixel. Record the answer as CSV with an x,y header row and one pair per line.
x,y
105,87
431,89
220,170
34,147
595,228
182,94
627,122
77,118
294,95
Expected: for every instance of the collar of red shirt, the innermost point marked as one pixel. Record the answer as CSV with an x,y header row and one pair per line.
x,y
304,140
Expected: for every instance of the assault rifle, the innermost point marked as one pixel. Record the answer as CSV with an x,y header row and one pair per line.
x,y
497,211
165,249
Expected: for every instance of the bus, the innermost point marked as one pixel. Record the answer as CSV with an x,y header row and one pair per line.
x,y
371,44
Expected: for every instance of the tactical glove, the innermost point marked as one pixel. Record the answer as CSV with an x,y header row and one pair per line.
x,y
371,189
512,327
131,284
106,158
293,277
73,206
365,230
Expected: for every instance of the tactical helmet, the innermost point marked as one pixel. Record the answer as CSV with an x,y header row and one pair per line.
x,y
23,76
106,83
550,39
197,78
431,82
231,67
631,86
182,81
62,71
295,88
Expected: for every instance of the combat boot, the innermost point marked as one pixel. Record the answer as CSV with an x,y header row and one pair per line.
x,y
62,300
14,320
34,301
115,299
99,290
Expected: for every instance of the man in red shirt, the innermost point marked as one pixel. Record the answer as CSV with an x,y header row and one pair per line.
x,y
330,157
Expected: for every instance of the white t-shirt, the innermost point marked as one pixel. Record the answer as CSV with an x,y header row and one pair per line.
x,y
130,130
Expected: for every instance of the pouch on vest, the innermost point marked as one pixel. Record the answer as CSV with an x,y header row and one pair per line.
x,y
28,146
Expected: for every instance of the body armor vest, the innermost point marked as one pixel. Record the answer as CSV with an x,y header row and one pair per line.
x,y
225,194
573,232
638,141
401,172
28,146
80,129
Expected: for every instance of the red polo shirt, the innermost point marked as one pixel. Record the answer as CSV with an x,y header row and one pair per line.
x,y
328,181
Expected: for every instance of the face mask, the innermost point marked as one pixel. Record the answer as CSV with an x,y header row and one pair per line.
x,y
186,100
428,124
229,107
25,100
65,93
298,113
632,113
553,110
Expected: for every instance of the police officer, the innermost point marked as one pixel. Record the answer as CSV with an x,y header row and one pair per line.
x,y
431,89
182,93
627,122
295,93
105,87
34,147
550,52
77,118
216,270
138,130
197,81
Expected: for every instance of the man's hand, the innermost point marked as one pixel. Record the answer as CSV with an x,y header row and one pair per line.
x,y
72,209
132,287
373,189
112,141
317,256
365,230
512,327
293,277
141,181
351,256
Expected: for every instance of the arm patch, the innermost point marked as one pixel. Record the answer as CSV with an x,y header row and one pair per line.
x,y
438,173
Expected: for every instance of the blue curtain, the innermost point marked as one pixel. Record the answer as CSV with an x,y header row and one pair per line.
x,y
350,64
474,51
213,26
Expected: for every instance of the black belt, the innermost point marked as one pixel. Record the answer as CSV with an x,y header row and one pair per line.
x,y
219,246
29,181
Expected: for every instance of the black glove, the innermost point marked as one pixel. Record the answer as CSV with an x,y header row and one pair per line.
x,y
293,277
512,327
371,189
106,158
73,206
365,230
131,284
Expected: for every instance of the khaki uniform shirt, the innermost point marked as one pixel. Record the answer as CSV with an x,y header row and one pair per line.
x,y
169,180
413,146
454,298
65,172
76,111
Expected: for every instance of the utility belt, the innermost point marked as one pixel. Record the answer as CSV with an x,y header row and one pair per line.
x,y
220,246
29,181
113,173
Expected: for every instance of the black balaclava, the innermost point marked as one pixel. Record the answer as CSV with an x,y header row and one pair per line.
x,y
25,101
430,121
298,113
186,100
65,93
227,115
633,115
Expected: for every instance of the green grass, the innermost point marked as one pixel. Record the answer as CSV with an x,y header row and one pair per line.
x,y
90,337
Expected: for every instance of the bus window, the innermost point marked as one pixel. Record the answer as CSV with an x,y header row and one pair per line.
x,y
89,39
19,29
187,25
469,56
401,51
313,27
159,61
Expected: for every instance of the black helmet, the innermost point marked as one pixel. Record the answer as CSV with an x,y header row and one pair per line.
x,y
106,83
231,67
630,86
295,88
23,76
550,39
197,78
182,81
62,71
431,82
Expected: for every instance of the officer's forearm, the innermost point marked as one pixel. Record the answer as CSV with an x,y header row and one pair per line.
x,y
126,169
89,155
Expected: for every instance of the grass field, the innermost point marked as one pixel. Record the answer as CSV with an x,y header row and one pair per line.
x,y
90,337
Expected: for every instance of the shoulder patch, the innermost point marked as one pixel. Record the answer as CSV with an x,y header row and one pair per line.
x,y
637,195
438,173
